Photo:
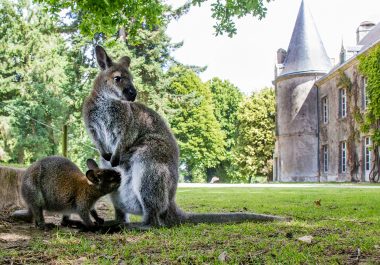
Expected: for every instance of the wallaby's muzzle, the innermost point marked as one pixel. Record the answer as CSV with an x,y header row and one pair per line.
x,y
130,93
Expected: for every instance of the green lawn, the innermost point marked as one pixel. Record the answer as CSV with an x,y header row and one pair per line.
x,y
346,223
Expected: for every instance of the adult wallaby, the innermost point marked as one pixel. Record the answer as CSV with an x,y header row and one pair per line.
x,y
56,184
137,140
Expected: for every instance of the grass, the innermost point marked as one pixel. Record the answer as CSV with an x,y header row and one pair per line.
x,y
348,220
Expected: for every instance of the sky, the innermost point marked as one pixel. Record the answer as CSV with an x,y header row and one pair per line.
x,y
247,59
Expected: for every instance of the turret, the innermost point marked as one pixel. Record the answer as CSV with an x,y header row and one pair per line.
x,y
296,98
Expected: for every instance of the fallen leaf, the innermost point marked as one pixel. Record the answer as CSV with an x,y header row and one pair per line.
x,y
306,239
223,257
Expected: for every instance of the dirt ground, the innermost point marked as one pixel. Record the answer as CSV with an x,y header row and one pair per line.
x,y
17,234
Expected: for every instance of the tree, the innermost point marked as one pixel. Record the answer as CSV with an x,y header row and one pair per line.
x,y
255,142
197,131
226,99
31,82
108,17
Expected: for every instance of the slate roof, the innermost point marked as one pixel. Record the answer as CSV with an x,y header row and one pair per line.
x,y
371,37
306,53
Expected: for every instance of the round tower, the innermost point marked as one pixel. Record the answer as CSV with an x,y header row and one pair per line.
x,y
296,154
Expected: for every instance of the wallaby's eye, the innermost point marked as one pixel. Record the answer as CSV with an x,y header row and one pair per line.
x,y
117,79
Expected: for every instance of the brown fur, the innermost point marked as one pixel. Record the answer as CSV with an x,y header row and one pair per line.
x,y
56,184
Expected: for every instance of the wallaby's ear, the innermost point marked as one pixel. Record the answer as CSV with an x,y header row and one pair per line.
x,y
125,60
101,56
90,174
91,164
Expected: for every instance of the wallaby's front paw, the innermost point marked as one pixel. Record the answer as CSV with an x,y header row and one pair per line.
x,y
107,156
115,161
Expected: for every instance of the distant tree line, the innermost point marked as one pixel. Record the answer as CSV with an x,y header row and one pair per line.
x,y
47,68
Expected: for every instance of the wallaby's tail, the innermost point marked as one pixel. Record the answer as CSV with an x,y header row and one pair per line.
x,y
196,218
175,216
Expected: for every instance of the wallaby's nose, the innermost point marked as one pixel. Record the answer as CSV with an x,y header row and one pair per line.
x,y
131,94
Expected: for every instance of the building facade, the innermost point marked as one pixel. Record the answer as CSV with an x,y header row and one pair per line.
x,y
317,138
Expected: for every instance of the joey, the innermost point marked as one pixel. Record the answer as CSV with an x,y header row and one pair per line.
x,y
56,184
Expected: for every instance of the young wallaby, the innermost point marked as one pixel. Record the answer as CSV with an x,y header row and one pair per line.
x,y
56,184
137,140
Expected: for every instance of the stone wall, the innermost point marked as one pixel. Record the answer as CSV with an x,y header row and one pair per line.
x,y
297,129
339,129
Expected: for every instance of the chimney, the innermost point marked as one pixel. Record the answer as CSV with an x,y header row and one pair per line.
x,y
363,29
281,55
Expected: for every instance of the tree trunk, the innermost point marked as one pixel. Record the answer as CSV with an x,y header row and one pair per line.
x,y
122,34
10,188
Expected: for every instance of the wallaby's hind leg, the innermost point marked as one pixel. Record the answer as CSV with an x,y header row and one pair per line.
x,y
154,193
151,218
119,215
39,219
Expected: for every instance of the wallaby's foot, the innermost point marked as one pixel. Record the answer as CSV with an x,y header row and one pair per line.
x,y
143,227
72,223
85,229
98,220
46,226
113,226
22,215
112,223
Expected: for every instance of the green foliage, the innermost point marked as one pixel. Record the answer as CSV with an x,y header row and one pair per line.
x,y
224,12
226,99
47,68
255,142
80,73
105,16
370,67
31,82
198,133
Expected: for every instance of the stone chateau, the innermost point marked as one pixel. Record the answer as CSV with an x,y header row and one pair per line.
x,y
315,127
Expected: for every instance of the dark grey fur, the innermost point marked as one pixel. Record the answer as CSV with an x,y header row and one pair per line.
x,y
56,184
137,140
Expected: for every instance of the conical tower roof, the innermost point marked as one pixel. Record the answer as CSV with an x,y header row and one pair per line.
x,y
306,53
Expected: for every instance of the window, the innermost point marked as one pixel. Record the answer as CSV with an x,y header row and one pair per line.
x,y
343,157
367,153
325,110
325,152
342,103
364,94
